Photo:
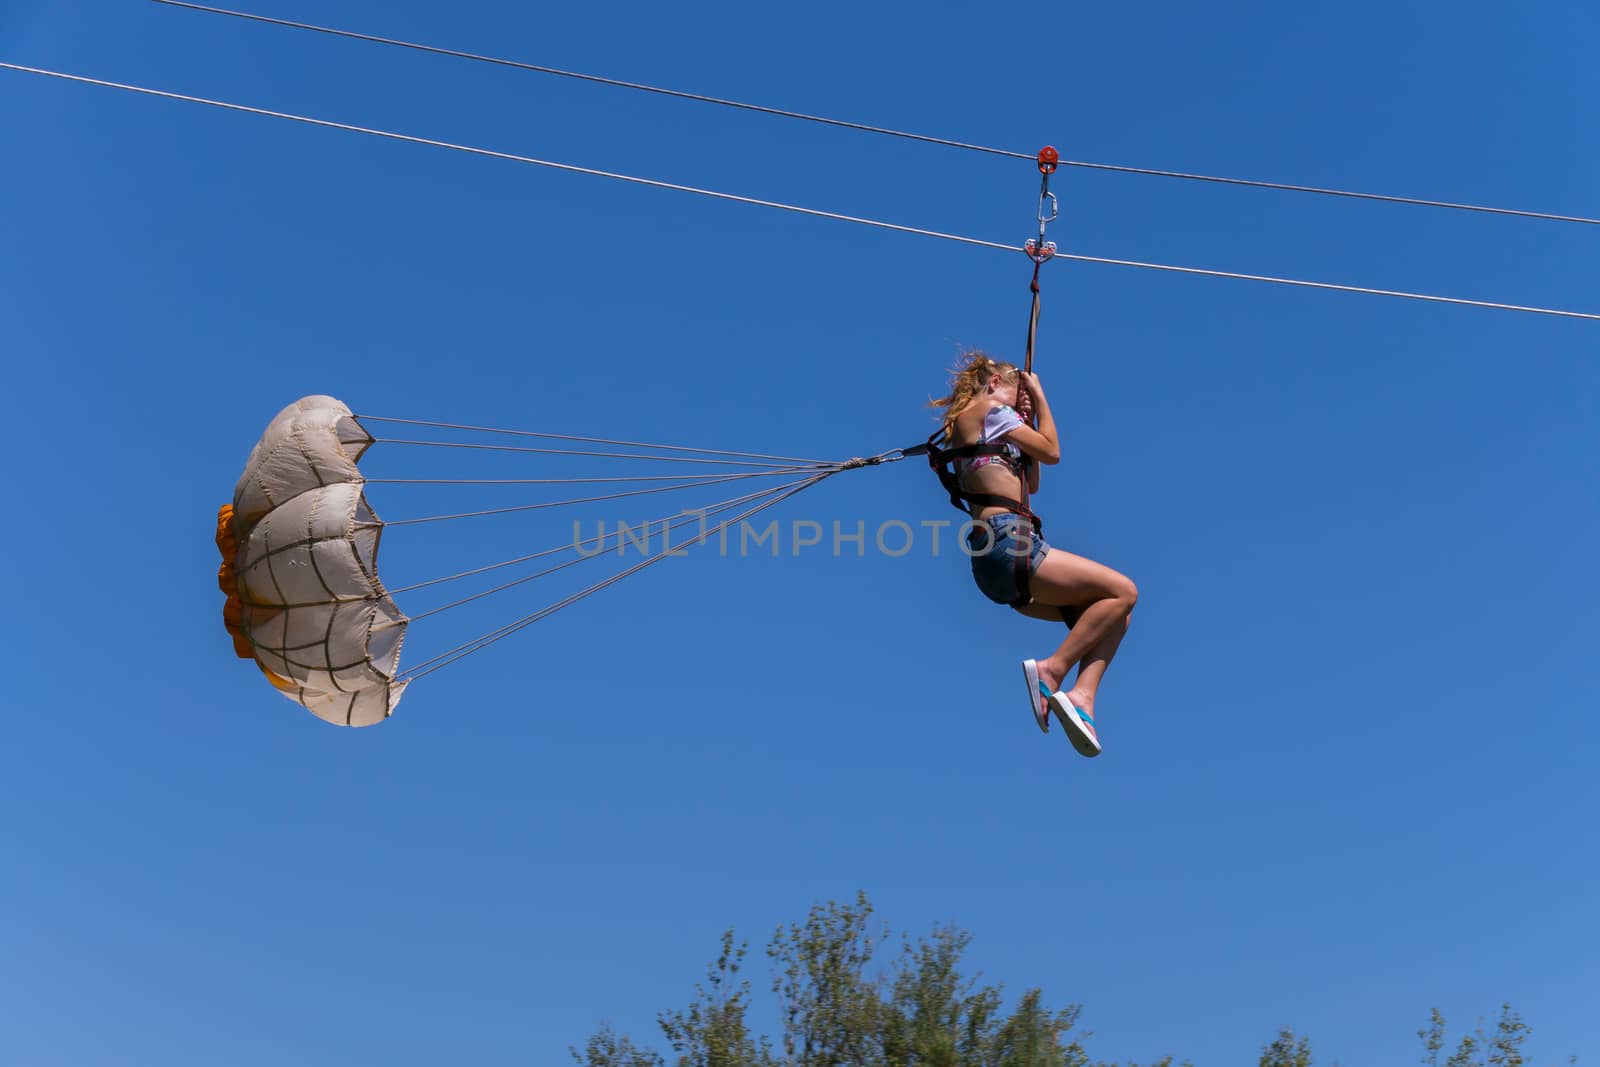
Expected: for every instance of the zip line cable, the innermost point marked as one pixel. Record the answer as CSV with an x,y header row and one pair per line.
x,y
896,227
864,127
491,153
594,78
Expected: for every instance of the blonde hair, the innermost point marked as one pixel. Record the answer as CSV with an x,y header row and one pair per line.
x,y
968,378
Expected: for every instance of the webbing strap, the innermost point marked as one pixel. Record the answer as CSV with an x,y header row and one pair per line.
x,y
1025,535
1038,251
941,459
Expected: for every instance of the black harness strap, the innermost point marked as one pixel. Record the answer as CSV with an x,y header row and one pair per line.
x,y
942,461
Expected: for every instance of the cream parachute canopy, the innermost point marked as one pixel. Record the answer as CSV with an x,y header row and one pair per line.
x,y
300,567
299,543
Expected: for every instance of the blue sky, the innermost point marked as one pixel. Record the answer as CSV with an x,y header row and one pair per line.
x,y
1348,770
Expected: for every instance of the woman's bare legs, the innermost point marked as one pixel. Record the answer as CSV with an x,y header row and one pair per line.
x,y
1107,597
1093,666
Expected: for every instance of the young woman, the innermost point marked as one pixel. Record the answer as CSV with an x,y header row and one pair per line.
x,y
991,402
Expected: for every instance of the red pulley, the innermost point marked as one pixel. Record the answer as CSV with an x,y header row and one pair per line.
x,y
1048,158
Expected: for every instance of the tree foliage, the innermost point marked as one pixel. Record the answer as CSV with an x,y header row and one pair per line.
x,y
837,1006
835,1010
1287,1050
1481,1048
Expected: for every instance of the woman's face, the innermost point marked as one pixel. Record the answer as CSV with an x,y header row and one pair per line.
x,y
1003,390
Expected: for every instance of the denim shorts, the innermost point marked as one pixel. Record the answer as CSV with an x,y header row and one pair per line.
x,y
995,570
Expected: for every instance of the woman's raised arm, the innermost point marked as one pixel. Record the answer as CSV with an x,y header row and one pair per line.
x,y
1042,444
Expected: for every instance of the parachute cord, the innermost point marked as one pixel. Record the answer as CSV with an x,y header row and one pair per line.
x,y
577,452
669,526
666,523
589,440
690,484
779,472
453,655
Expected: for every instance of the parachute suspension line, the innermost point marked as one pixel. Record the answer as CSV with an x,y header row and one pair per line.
x,y
778,472
658,522
580,452
813,212
690,484
863,127
666,522
453,655
666,527
587,440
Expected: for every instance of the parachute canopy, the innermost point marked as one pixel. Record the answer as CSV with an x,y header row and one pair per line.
x,y
299,550
299,542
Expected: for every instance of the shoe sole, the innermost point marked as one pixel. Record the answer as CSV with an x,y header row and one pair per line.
x,y
1030,674
1077,730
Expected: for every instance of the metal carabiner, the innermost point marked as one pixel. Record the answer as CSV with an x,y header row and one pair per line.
x,y
1046,196
1038,249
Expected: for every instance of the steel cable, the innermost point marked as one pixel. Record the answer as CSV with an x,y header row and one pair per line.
x,y
865,128
794,208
